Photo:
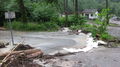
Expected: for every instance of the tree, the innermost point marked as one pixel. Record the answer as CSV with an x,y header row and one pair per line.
x,y
76,8
22,10
65,10
107,15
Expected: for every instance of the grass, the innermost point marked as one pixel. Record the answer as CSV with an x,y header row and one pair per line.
x,y
46,26
106,36
114,25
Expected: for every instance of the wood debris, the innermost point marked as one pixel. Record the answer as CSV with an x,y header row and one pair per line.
x,y
21,56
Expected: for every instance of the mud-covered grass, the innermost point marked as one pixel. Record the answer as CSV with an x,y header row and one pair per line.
x,y
114,25
118,45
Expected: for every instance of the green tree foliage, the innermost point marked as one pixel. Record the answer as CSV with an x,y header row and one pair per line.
x,y
30,8
22,10
42,11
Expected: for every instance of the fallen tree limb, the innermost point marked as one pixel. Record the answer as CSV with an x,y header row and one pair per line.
x,y
27,52
21,59
18,53
7,55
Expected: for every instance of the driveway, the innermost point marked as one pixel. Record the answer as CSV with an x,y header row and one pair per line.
x,y
114,30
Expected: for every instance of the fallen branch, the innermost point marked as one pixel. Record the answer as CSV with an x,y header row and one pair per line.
x,y
27,52
18,54
7,55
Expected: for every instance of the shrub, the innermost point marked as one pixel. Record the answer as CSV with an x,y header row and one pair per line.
x,y
61,21
72,21
46,26
50,26
106,36
16,25
75,27
80,20
100,26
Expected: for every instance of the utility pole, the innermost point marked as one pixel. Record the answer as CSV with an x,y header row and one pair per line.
x,y
11,31
10,15
107,15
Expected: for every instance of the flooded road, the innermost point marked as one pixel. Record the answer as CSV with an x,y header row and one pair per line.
x,y
50,42
46,41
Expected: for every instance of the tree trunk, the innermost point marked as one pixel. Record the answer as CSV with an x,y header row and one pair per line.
x,y
107,15
65,11
22,10
73,2
76,8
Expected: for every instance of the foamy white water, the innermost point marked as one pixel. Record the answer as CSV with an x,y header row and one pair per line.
x,y
91,43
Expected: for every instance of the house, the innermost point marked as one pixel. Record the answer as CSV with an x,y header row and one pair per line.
x,y
90,13
63,14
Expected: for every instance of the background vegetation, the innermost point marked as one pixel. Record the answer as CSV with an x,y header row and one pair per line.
x,y
43,15
37,10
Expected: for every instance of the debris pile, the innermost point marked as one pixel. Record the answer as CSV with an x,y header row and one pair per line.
x,y
113,43
3,44
53,60
19,60
21,56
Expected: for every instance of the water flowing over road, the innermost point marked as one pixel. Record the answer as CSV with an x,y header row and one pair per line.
x,y
47,41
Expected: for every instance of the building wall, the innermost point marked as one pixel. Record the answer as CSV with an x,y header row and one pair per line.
x,y
88,15
91,15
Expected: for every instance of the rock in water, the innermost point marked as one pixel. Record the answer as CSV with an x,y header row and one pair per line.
x,y
23,47
2,45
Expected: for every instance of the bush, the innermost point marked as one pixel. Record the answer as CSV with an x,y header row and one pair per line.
x,y
61,21
72,21
49,26
80,20
94,30
75,27
16,25
46,26
106,36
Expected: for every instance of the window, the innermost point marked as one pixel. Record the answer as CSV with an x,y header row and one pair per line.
x,y
91,14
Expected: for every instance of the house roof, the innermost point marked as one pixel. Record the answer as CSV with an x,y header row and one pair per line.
x,y
87,11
